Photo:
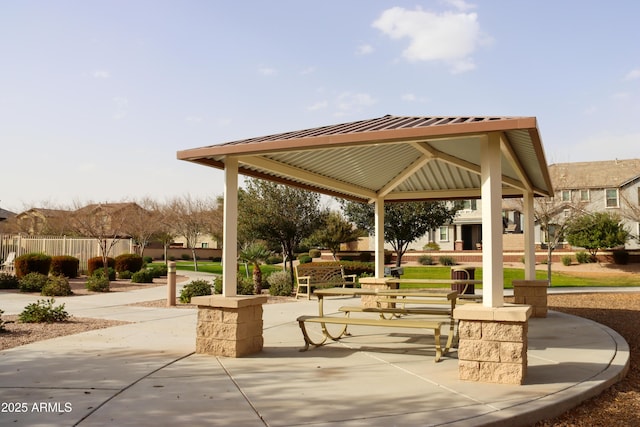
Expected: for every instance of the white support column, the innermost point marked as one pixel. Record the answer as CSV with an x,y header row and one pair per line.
x,y
379,237
529,238
491,174
230,228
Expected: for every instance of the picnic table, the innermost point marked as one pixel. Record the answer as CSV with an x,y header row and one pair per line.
x,y
414,296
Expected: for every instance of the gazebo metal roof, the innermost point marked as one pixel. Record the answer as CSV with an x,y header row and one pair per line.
x,y
396,158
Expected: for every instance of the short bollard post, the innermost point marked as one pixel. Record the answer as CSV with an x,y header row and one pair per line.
x,y
171,284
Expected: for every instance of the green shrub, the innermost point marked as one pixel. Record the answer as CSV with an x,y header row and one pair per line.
x,y
9,281
305,259
125,275
159,270
583,257
446,260
244,285
195,288
621,257
426,260
97,283
57,286
65,265
1,322
280,283
43,311
142,276
128,262
185,257
100,273
315,253
566,260
96,263
32,263
33,282
275,259
431,246
147,259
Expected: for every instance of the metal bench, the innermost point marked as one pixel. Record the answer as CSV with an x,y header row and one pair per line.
x,y
395,323
310,276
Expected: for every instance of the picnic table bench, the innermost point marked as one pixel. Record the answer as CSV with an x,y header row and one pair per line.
x,y
434,324
310,276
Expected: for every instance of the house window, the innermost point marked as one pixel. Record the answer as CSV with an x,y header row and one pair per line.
x,y
469,205
566,195
584,195
566,213
444,234
611,196
205,245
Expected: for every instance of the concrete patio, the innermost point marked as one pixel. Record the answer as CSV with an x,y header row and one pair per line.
x,y
146,373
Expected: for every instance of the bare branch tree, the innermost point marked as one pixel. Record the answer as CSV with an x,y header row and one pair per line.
x,y
189,218
104,222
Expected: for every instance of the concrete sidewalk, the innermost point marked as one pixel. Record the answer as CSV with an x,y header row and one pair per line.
x,y
146,373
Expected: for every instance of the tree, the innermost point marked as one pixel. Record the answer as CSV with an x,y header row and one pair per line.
x,y
553,215
143,224
403,222
336,231
254,253
598,230
278,214
189,218
104,222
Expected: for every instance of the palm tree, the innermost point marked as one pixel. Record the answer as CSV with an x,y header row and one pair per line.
x,y
254,253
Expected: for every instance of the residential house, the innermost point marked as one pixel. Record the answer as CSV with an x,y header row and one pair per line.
x,y
612,186
609,185
41,221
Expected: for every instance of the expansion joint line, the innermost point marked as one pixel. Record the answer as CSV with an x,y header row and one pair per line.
x,y
131,385
246,398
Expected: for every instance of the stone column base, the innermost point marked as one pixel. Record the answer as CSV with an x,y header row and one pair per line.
x,y
369,301
533,293
229,326
493,343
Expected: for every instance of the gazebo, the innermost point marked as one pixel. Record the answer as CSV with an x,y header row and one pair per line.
x,y
393,159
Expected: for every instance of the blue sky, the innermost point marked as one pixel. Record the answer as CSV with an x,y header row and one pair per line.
x,y
96,97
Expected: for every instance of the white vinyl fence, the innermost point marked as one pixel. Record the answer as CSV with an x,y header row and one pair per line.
x,y
81,248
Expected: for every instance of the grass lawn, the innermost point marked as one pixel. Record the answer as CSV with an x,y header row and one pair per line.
x,y
558,279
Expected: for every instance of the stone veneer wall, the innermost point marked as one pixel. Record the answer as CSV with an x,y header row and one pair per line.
x,y
533,293
230,327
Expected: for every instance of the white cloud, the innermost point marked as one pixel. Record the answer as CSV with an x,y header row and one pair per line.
x,y
321,105
193,119
364,49
451,37
267,71
101,74
460,5
308,70
349,102
411,97
633,74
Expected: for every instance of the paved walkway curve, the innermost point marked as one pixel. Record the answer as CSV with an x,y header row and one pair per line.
x,y
146,373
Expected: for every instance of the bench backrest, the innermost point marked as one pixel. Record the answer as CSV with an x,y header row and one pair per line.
x,y
321,273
